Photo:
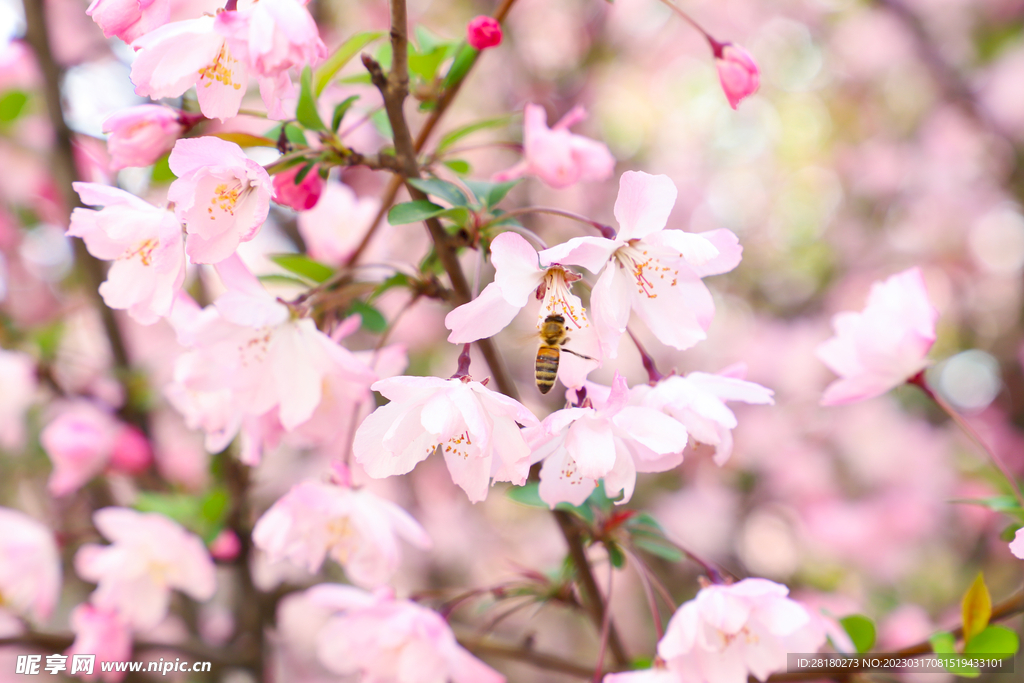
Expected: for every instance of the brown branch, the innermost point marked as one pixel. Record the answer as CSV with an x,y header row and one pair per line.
x,y
480,646
588,585
64,170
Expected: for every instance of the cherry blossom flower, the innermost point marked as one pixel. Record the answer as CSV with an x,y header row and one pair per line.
x,y
275,35
882,346
698,401
176,56
737,71
613,442
104,633
475,427
483,32
356,528
83,440
555,155
220,195
301,196
144,243
729,632
30,575
252,356
141,135
391,641
649,269
150,555
517,276
18,379
129,19
1017,544
334,227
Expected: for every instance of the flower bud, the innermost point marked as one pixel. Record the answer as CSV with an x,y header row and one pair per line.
x,y
737,71
483,32
131,453
302,196
141,135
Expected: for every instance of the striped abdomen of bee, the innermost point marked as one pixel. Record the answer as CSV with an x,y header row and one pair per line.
x,y
547,367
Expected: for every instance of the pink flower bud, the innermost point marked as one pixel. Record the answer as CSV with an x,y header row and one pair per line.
x,y
737,71
226,546
302,196
141,135
131,453
483,32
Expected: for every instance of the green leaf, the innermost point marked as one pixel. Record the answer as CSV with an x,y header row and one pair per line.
x,y
460,166
994,640
584,512
12,104
436,187
373,320
861,631
976,608
489,193
303,172
659,549
460,67
424,64
246,140
356,79
427,40
162,172
943,643
997,503
214,505
454,136
345,52
295,135
305,111
457,214
380,121
413,212
303,266
528,495
396,280
276,279
340,111
615,555
185,509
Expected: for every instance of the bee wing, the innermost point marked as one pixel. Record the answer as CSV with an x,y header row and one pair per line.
x,y
573,370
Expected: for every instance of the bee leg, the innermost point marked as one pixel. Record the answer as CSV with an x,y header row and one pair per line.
x,y
578,355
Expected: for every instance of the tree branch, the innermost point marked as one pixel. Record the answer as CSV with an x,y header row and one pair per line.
x,y
480,646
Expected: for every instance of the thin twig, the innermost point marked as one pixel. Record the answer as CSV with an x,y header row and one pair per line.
x,y
479,646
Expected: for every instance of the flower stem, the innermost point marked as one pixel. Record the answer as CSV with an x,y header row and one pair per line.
x,y
921,382
716,46
652,370
606,230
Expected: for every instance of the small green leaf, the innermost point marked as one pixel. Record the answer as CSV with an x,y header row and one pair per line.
x,y
528,495
215,505
997,503
488,193
303,266
659,549
413,212
994,640
943,643
162,172
277,279
460,166
303,172
12,104
861,631
380,121
246,140
976,608
615,555
454,136
460,67
295,135
340,111
436,187
373,320
345,52
305,111
427,40
396,280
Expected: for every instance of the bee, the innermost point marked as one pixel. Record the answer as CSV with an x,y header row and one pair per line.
x,y
553,337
